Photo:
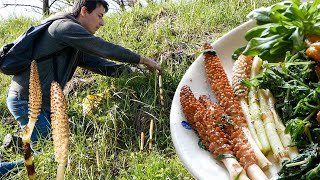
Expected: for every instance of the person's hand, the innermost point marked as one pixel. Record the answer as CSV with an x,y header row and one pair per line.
x,y
151,64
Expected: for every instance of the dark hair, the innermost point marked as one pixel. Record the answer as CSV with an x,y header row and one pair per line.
x,y
89,4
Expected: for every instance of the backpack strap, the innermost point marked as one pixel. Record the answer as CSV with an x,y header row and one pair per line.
x,y
46,57
54,62
55,67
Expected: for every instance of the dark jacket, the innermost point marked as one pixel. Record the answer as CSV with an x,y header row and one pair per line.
x,y
71,45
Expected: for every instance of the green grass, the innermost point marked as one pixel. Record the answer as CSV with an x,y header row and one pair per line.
x,y
174,32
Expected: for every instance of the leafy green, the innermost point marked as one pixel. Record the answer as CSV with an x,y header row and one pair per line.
x,y
304,166
313,173
295,86
297,128
279,39
281,27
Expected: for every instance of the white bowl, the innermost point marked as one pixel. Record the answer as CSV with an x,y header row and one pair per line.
x,y
199,162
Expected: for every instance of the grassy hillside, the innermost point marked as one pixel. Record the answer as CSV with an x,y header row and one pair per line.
x,y
106,143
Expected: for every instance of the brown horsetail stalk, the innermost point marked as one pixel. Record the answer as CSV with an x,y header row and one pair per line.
x,y
226,98
35,100
204,117
150,132
60,127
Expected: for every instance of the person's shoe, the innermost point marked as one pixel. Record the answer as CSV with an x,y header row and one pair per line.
x,y
12,141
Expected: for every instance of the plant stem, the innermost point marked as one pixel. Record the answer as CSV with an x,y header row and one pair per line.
x,y
234,168
255,109
270,128
60,172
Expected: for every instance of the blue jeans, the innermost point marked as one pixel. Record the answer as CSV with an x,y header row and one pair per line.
x,y
7,166
19,109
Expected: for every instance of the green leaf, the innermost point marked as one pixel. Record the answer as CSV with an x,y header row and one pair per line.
x,y
314,7
255,32
294,12
263,31
261,15
201,145
238,176
296,128
300,165
278,13
298,2
313,173
238,52
280,47
257,45
298,40
282,27
224,156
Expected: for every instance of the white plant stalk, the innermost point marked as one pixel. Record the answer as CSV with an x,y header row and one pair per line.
x,y
285,138
270,127
235,169
262,160
255,108
241,71
150,134
254,172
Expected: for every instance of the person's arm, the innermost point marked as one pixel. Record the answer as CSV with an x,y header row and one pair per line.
x,y
102,66
72,34
69,33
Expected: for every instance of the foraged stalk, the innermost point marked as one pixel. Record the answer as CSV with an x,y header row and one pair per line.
x,y
285,138
211,134
228,101
237,137
60,127
241,71
221,143
269,124
255,109
141,141
35,100
150,134
161,87
223,138
161,90
263,161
